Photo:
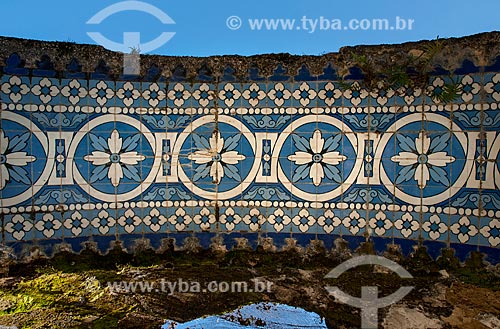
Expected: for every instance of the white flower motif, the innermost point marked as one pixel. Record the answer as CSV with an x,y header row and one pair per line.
x,y
463,229
48,225
178,94
128,93
317,158
279,220
204,95
229,94
103,222
354,222
180,220
493,87
304,94
381,95
116,156
15,88
254,219
409,94
434,227
380,223
205,219
329,94
129,221
154,220
74,91
279,94
76,223
492,232
101,93
435,88
154,95
11,159
469,88
329,221
45,90
216,157
18,226
355,94
253,94
304,220
230,219
422,161
407,225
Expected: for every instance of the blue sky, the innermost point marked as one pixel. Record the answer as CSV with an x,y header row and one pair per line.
x,y
201,26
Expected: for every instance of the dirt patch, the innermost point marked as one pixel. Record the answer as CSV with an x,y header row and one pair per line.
x,y
72,291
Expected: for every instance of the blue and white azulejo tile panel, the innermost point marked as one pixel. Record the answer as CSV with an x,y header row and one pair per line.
x,y
89,158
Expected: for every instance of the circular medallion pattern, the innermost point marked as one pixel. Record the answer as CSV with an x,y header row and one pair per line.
x,y
23,159
216,161
116,158
317,157
424,161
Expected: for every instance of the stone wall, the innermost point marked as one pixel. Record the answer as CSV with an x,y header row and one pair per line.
x,y
270,150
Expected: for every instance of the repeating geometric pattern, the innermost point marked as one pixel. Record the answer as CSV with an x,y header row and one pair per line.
x,y
81,158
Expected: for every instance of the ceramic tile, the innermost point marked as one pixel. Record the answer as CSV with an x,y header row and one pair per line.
x,y
291,155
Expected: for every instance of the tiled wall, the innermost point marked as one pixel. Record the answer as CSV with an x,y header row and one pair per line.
x,y
87,158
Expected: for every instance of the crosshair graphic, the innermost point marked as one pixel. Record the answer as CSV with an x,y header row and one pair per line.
x,y
131,40
369,303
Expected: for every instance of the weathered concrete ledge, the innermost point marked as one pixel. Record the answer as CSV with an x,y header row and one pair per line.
x,y
481,49
341,251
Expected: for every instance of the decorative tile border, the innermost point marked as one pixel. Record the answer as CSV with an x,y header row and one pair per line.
x,y
83,158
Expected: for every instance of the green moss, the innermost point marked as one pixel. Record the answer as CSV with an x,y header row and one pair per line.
x,y
56,290
111,320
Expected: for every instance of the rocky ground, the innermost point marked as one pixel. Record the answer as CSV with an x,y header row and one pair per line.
x,y
71,291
